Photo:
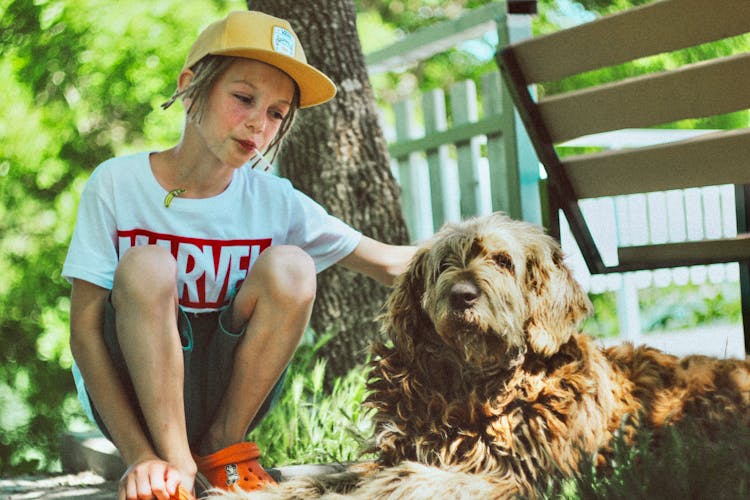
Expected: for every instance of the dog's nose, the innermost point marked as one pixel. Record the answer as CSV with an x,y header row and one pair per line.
x,y
463,294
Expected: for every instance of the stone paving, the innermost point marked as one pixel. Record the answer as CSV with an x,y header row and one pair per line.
x,y
84,485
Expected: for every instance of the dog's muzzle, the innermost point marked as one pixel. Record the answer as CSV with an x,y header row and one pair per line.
x,y
463,295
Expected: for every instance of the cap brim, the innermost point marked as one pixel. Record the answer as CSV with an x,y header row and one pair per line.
x,y
314,86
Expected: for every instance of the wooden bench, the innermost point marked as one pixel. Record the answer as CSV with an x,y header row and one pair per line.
x,y
715,86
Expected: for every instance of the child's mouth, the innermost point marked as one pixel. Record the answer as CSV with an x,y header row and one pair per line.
x,y
248,146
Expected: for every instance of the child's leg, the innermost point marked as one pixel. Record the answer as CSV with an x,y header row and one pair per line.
x,y
275,302
144,296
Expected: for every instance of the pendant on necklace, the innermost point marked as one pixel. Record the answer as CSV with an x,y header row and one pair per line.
x,y
175,193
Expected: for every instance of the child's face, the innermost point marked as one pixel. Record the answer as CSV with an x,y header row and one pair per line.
x,y
244,110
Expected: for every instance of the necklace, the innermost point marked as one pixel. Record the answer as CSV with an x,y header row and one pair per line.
x,y
175,193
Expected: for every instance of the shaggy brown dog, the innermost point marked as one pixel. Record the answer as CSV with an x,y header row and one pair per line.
x,y
486,389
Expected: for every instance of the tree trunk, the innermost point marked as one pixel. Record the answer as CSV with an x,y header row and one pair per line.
x,y
337,154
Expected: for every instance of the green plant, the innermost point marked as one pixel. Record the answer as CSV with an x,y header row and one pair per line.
x,y
673,307
677,463
687,306
312,425
603,322
81,81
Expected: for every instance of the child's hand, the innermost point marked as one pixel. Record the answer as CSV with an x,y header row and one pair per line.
x,y
152,478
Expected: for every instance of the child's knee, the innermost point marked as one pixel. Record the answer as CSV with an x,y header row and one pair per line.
x,y
151,269
287,272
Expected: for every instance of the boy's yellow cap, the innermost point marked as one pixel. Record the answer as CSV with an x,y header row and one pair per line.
x,y
265,38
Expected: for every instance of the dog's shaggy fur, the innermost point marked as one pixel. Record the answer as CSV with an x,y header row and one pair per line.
x,y
486,388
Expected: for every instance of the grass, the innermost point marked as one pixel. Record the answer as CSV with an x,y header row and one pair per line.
x,y
309,425
684,465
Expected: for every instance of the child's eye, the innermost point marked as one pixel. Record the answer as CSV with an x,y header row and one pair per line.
x,y
244,99
278,115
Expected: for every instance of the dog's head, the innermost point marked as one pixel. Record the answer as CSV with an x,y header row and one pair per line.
x,y
490,288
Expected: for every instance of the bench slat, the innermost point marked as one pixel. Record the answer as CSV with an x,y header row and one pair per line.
x,y
651,29
707,160
684,254
703,89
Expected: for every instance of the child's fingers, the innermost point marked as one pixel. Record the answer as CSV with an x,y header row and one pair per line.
x,y
145,480
172,480
156,484
130,487
122,493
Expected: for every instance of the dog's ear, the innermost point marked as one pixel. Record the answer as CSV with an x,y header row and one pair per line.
x,y
556,304
404,318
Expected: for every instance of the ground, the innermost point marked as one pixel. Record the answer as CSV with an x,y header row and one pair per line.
x,y
84,485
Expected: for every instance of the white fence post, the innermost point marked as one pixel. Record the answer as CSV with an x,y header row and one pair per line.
x,y
441,169
413,177
464,109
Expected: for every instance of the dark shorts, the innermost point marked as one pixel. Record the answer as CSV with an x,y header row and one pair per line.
x,y
208,353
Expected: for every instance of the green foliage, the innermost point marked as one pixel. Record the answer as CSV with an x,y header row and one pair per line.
x,y
310,424
687,306
679,463
407,16
81,82
603,323
674,307
608,6
381,23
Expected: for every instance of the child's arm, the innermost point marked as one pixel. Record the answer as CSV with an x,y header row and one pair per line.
x,y
378,260
106,391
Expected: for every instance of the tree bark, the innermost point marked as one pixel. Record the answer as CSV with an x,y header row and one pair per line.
x,y
337,154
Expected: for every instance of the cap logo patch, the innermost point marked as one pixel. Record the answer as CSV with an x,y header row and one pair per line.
x,y
283,41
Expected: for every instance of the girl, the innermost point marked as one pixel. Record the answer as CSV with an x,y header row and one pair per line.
x,y
193,278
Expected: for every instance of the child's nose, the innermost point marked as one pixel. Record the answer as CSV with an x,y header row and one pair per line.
x,y
255,120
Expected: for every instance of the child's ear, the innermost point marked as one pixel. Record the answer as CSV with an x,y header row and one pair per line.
x,y
186,76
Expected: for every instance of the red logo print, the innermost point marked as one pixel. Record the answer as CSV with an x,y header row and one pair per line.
x,y
207,270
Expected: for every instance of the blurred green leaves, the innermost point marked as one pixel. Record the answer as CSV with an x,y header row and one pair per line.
x,y
81,81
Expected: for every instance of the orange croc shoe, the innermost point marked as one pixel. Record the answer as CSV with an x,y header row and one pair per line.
x,y
235,466
182,494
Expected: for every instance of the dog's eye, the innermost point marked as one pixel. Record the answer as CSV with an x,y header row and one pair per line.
x,y
503,261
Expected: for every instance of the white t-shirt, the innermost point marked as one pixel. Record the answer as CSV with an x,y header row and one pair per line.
x,y
214,240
